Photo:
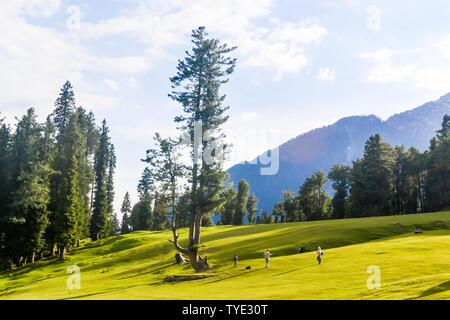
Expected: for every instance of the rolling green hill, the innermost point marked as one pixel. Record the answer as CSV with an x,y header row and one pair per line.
x,y
134,266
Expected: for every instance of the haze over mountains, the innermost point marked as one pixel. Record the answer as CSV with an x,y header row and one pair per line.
x,y
341,142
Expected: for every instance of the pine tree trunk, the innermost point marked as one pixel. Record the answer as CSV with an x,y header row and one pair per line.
x,y
52,251
197,262
78,243
32,257
11,263
41,255
62,252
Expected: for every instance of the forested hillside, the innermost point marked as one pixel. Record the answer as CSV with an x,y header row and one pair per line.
x,y
341,142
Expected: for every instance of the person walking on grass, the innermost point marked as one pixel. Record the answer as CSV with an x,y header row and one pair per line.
x,y
319,255
236,259
267,255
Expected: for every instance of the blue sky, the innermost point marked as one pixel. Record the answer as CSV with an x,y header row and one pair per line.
x,y
301,64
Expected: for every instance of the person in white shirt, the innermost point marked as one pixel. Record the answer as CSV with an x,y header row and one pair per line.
x,y
319,255
267,255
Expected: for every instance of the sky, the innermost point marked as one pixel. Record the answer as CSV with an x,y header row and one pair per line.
x,y
301,64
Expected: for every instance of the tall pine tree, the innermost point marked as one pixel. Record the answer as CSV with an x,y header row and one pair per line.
x,y
126,211
196,88
241,202
99,217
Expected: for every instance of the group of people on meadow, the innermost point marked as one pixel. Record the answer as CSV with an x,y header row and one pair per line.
x,y
267,256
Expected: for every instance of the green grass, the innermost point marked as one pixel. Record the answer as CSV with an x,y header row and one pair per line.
x,y
133,266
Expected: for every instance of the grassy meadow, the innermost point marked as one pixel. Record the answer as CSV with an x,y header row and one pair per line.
x,y
133,266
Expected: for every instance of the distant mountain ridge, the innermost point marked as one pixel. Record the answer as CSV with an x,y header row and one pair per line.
x,y
340,142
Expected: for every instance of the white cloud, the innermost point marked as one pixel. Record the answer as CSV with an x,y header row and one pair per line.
x,y
163,24
444,45
386,72
33,8
132,81
125,65
95,101
326,74
282,48
386,66
249,115
38,60
421,67
112,84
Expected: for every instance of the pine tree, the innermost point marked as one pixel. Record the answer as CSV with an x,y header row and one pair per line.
x,y
252,208
183,210
114,225
65,187
161,212
313,201
320,196
340,176
437,192
141,217
241,202
64,107
126,211
29,205
48,141
112,217
266,218
416,172
277,212
167,170
406,180
125,225
146,183
372,180
99,217
85,174
228,209
199,78
5,183
290,206
27,210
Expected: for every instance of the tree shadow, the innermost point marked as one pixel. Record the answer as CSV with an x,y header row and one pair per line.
x,y
154,271
100,292
235,276
280,274
445,286
24,269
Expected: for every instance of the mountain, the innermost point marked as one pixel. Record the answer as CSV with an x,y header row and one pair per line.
x,y
341,142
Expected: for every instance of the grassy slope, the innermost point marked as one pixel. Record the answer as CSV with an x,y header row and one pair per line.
x,y
133,266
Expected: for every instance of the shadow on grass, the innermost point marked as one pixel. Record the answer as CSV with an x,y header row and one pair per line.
x,y
116,244
148,272
445,286
22,270
235,276
100,292
280,274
